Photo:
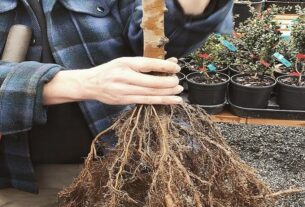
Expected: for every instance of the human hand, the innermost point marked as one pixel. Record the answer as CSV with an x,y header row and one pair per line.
x,y
118,82
193,7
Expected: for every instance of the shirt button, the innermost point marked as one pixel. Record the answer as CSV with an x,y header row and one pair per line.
x,y
100,9
33,41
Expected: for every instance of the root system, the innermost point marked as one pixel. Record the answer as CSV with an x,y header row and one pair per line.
x,y
171,156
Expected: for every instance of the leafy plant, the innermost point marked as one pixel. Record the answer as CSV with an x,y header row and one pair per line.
x,y
294,48
286,48
259,38
212,55
261,33
217,52
298,31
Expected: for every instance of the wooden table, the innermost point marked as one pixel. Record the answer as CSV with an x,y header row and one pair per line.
x,y
228,117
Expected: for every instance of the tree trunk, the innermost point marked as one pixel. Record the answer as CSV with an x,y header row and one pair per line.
x,y
153,28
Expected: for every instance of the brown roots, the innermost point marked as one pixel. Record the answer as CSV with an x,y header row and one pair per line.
x,y
171,156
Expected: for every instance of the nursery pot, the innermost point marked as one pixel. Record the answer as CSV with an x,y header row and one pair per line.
x,y
224,69
181,77
242,9
249,96
187,70
207,94
233,71
289,96
278,74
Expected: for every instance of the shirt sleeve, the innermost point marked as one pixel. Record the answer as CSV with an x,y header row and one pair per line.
x,y
21,94
184,32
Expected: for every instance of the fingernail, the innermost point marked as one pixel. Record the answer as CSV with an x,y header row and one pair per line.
x,y
178,68
180,88
176,79
178,99
173,59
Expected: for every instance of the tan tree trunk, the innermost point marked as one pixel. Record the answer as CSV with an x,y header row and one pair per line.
x,y
153,28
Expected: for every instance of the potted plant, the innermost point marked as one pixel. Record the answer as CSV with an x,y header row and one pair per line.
x,y
216,51
242,57
241,9
207,87
253,86
291,4
188,64
291,87
285,47
212,52
257,40
252,89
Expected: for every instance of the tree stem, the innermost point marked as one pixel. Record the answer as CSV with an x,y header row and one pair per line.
x,y
153,28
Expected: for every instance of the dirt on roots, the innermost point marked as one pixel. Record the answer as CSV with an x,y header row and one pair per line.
x,y
166,156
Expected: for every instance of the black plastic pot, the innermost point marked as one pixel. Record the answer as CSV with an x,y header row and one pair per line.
x,y
278,74
233,71
249,96
202,94
285,3
181,77
242,9
224,70
290,97
187,70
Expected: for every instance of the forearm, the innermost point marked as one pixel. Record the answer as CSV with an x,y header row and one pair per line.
x,y
65,87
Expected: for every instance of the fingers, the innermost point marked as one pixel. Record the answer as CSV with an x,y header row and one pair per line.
x,y
173,60
162,100
144,91
150,81
145,65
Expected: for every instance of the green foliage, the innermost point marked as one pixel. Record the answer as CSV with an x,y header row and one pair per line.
x,y
257,40
286,48
298,31
261,33
218,54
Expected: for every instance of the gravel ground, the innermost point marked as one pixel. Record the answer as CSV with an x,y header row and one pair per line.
x,y
278,154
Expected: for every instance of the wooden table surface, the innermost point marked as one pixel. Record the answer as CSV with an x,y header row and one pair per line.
x,y
228,117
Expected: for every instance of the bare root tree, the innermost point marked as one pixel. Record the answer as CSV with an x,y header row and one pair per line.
x,y
172,156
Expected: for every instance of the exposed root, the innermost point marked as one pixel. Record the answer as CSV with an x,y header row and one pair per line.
x,y
171,156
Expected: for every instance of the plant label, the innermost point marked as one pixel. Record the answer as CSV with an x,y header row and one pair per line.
x,y
285,37
282,59
225,43
217,34
228,45
212,68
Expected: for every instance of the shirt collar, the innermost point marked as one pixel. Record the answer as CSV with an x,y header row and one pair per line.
x,y
95,8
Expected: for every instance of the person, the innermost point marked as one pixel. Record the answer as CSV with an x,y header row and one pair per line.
x,y
83,67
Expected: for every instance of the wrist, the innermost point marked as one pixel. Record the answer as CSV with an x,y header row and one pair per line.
x,y
66,86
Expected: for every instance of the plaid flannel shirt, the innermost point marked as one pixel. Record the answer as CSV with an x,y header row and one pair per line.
x,y
82,34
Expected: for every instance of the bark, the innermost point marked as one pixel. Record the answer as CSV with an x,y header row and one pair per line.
x,y
153,28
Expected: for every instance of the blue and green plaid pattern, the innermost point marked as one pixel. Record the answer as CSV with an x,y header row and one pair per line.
x,y
82,34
